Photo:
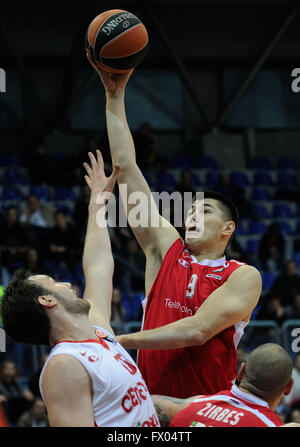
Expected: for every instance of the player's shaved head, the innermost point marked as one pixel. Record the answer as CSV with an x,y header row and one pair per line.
x,y
268,371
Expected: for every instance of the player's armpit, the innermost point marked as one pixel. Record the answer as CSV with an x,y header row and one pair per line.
x,y
67,391
167,407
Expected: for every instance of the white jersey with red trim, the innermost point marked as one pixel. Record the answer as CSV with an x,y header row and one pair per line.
x,y
120,395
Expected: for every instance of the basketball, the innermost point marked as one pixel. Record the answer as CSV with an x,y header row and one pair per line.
x,y
117,40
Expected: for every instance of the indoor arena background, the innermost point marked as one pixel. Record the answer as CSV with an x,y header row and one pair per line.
x,y
215,104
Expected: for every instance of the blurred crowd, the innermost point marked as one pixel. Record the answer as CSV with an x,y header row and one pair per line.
x,y
46,235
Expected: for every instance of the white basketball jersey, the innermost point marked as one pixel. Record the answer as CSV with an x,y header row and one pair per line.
x,y
120,395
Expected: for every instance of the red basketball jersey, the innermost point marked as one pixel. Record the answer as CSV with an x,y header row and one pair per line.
x,y
178,291
230,408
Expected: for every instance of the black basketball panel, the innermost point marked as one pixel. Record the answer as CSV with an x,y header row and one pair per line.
x,y
126,62
111,28
89,47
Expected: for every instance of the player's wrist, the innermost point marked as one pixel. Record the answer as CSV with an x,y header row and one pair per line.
x,y
116,94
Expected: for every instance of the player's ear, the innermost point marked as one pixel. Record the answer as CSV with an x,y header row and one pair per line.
x,y
241,372
47,302
289,387
229,227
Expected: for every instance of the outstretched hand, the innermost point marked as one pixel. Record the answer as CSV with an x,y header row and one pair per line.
x,y
96,178
111,81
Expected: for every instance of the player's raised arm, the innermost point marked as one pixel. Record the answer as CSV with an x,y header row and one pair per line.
x,y
98,263
123,152
230,303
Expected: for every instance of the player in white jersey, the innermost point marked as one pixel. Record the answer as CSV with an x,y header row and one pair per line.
x,y
89,379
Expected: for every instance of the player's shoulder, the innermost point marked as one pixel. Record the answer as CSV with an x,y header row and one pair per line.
x,y
242,267
61,362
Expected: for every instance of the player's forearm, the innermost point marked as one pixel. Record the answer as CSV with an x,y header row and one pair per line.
x,y
180,334
97,247
119,135
166,407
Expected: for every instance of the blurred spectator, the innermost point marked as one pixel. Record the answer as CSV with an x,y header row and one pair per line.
x,y
32,261
185,184
235,251
117,310
271,309
36,416
143,140
237,194
293,399
271,248
37,214
63,240
293,310
153,162
294,415
13,239
42,167
80,213
17,398
33,382
287,284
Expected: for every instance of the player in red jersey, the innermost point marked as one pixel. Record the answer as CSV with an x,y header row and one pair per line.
x,y
197,302
264,379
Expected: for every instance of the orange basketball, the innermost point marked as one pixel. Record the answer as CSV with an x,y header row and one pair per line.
x,y
117,40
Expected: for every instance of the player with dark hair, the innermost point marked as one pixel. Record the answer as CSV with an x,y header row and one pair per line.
x,y
88,378
263,380
198,303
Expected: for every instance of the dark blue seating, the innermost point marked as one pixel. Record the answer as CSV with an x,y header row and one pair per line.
x,y
10,193
282,210
13,177
252,246
40,191
182,161
62,193
285,228
257,228
261,194
262,177
212,178
239,179
207,162
268,279
165,181
260,163
287,163
10,159
261,211
286,179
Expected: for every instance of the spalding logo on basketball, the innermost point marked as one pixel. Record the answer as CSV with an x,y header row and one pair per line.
x,y
117,40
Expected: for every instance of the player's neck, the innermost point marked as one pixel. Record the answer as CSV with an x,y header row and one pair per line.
x,y
73,328
209,249
272,403
201,254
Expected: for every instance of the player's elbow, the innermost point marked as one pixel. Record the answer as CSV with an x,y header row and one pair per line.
x,y
196,336
200,332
